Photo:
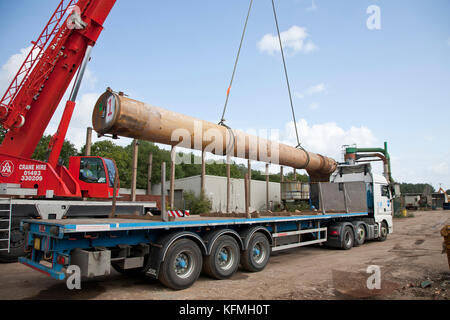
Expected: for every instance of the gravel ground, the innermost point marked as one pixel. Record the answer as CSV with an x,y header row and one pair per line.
x,y
409,260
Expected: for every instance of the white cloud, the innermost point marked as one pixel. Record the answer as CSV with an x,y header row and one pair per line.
x,y
317,89
11,67
82,114
294,40
328,138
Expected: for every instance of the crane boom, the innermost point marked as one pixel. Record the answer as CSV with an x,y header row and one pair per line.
x,y
32,98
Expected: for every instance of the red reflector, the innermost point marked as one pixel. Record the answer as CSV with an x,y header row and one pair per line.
x,y
62,260
334,233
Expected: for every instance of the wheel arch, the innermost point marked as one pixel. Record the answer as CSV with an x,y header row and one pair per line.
x,y
169,240
247,234
213,236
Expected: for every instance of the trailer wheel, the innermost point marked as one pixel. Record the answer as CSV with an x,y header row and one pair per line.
x,y
348,238
17,244
255,258
383,231
182,265
360,235
223,261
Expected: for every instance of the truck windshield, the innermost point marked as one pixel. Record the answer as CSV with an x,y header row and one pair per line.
x,y
92,170
111,171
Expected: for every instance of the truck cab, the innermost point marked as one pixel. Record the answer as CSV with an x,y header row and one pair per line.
x,y
95,176
379,195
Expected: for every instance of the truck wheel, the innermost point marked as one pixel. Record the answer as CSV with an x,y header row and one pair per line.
x,y
255,258
17,245
384,230
223,261
348,238
360,235
182,265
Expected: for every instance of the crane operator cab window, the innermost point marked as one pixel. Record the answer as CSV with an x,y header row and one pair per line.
x,y
92,170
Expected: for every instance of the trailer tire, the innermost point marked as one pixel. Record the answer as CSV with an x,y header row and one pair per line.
x,y
384,230
348,238
256,257
360,234
17,248
223,261
182,265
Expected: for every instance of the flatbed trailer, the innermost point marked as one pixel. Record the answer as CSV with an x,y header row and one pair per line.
x,y
176,252
13,210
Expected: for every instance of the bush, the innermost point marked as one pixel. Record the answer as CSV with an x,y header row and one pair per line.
x,y
197,205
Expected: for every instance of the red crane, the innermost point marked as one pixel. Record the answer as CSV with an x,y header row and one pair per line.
x,y
61,51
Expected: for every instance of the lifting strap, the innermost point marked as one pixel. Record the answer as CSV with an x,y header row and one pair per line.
x,y
222,120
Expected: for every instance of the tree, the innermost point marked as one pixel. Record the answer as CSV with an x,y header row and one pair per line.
x,y
107,149
41,152
416,188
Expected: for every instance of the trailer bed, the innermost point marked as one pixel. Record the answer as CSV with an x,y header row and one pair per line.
x,y
116,224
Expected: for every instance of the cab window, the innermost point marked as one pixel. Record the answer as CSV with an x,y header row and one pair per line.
x,y
92,170
385,191
111,171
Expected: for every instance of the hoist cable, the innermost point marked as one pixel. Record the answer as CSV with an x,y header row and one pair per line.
x,y
288,85
222,120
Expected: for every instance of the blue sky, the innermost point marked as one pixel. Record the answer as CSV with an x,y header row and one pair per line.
x,y
355,85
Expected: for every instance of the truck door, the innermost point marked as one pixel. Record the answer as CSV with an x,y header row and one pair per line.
x,y
96,177
382,199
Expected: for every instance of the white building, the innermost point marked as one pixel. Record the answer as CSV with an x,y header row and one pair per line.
x,y
216,190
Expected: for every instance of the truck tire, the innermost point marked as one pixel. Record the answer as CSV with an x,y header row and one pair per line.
x,y
348,238
17,247
256,257
223,261
182,265
360,235
384,230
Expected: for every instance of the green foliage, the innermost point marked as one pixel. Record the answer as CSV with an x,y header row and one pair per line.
x,y
197,205
291,207
107,149
416,188
41,152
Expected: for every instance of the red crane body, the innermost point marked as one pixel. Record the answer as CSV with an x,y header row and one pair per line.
x,y
34,95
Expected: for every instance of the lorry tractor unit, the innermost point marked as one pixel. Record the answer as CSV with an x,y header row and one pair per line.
x,y
48,222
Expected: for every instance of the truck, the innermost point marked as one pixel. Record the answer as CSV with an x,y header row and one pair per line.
x,y
349,208
52,189
353,208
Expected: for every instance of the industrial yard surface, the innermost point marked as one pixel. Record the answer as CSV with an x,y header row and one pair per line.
x,y
411,263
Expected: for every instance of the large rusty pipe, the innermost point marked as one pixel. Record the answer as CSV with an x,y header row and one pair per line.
x,y
118,115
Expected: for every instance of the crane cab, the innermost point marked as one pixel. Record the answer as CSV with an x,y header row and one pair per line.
x,y
95,176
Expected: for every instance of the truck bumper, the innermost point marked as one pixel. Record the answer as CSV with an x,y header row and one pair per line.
x,y
43,269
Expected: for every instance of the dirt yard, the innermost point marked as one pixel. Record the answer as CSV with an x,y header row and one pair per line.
x,y
409,260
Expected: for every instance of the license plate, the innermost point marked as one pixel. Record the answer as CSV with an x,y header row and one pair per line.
x,y
37,244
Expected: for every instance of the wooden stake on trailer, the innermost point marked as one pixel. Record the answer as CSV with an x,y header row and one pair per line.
x,y
247,193
249,183
267,187
172,177
228,183
88,141
113,209
134,168
149,174
164,213
203,176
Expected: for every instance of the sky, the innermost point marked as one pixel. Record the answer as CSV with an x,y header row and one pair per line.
x,y
351,83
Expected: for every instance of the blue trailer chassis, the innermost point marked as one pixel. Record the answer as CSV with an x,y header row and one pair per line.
x,y
50,242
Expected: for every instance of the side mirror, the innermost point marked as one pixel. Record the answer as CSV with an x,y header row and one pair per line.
x,y
396,190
